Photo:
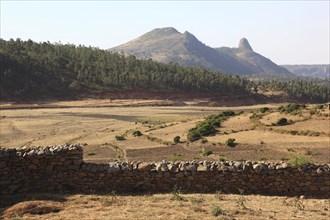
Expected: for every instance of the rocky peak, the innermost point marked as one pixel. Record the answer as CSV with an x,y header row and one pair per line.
x,y
190,37
244,44
166,30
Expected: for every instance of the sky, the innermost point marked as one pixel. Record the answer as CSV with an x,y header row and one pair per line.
x,y
287,32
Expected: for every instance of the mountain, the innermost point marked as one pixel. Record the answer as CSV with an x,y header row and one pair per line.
x,y
311,71
167,45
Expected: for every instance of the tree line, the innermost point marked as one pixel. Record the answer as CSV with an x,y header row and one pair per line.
x,y
36,70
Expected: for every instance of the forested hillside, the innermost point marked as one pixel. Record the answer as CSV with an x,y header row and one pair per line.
x,y
31,70
45,69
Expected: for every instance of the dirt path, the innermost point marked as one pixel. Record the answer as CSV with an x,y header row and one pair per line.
x,y
120,152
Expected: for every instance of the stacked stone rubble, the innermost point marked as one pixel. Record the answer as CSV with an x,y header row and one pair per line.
x,y
61,169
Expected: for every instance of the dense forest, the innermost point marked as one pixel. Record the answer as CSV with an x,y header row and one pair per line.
x,y
31,70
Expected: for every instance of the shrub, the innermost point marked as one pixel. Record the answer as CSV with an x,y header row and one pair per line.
x,y
204,140
208,126
137,133
299,161
199,200
294,132
292,108
206,129
319,106
228,113
176,194
241,201
90,153
193,135
216,211
282,121
120,138
222,159
176,157
264,109
230,142
206,153
255,116
202,129
308,152
312,111
176,139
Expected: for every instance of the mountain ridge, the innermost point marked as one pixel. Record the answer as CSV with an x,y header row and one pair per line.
x,y
167,45
317,71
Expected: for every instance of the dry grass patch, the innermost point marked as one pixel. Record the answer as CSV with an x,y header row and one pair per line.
x,y
32,208
256,136
273,117
191,206
181,129
237,123
316,125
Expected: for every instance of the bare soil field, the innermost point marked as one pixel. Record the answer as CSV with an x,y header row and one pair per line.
x,y
105,128
162,206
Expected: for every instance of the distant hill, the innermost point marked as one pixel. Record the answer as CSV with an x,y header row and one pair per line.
x,y
311,71
167,45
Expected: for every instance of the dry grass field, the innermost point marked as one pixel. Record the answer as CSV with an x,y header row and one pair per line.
x,y
162,206
97,124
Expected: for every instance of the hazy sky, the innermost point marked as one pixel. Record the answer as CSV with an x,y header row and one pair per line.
x,y
287,32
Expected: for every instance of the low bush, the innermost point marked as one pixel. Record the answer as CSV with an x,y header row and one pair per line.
x,y
319,106
193,135
176,194
313,111
176,139
206,153
176,157
204,140
255,116
230,142
120,138
299,161
91,153
208,126
264,109
282,121
292,108
137,133
216,211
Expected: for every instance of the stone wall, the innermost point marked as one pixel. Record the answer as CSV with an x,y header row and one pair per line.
x,y
61,169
